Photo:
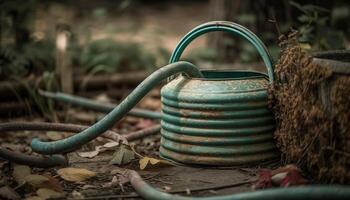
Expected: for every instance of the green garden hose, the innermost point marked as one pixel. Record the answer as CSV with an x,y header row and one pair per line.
x,y
98,106
76,141
292,193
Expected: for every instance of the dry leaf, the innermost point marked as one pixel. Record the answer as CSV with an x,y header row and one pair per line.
x,y
48,193
8,193
53,135
36,180
75,174
88,154
20,172
99,149
122,155
150,162
111,144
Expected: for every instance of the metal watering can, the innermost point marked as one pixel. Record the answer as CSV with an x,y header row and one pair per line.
x,y
209,117
222,118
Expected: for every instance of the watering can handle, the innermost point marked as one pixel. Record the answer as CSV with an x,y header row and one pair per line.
x,y
229,27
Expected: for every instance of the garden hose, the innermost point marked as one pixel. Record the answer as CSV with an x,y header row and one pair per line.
x,y
76,141
58,160
291,193
97,106
33,161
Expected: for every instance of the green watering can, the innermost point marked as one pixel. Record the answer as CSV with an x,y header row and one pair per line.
x,y
222,118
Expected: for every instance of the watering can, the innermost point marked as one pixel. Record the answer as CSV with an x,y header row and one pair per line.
x,y
208,117
222,118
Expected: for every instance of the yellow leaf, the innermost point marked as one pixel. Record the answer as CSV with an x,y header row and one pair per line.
x,y
154,161
147,162
143,162
75,174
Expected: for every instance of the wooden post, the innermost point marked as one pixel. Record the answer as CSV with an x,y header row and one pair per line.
x,y
63,60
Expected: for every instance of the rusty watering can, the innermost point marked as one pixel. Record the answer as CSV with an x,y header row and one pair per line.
x,y
223,118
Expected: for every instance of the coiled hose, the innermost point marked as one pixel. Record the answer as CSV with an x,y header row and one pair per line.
x,y
76,141
292,193
58,160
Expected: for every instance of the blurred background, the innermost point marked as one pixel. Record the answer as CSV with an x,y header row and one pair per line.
x,y
107,47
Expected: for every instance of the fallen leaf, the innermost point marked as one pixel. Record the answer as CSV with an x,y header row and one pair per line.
x,y
293,178
53,135
111,144
151,162
36,180
8,193
88,154
264,180
75,174
99,149
122,155
48,193
20,172
53,184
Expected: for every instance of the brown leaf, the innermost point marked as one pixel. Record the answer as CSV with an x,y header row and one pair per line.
x,y
53,184
20,172
48,193
8,193
36,180
75,174
53,135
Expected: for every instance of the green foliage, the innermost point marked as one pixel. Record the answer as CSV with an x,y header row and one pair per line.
x,y
110,56
36,57
314,28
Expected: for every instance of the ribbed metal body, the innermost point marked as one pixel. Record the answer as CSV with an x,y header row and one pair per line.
x,y
222,119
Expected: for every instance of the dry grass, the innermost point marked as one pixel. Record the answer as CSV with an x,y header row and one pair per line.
x,y
317,141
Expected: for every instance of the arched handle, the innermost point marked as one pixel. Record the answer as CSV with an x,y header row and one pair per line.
x,y
229,27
